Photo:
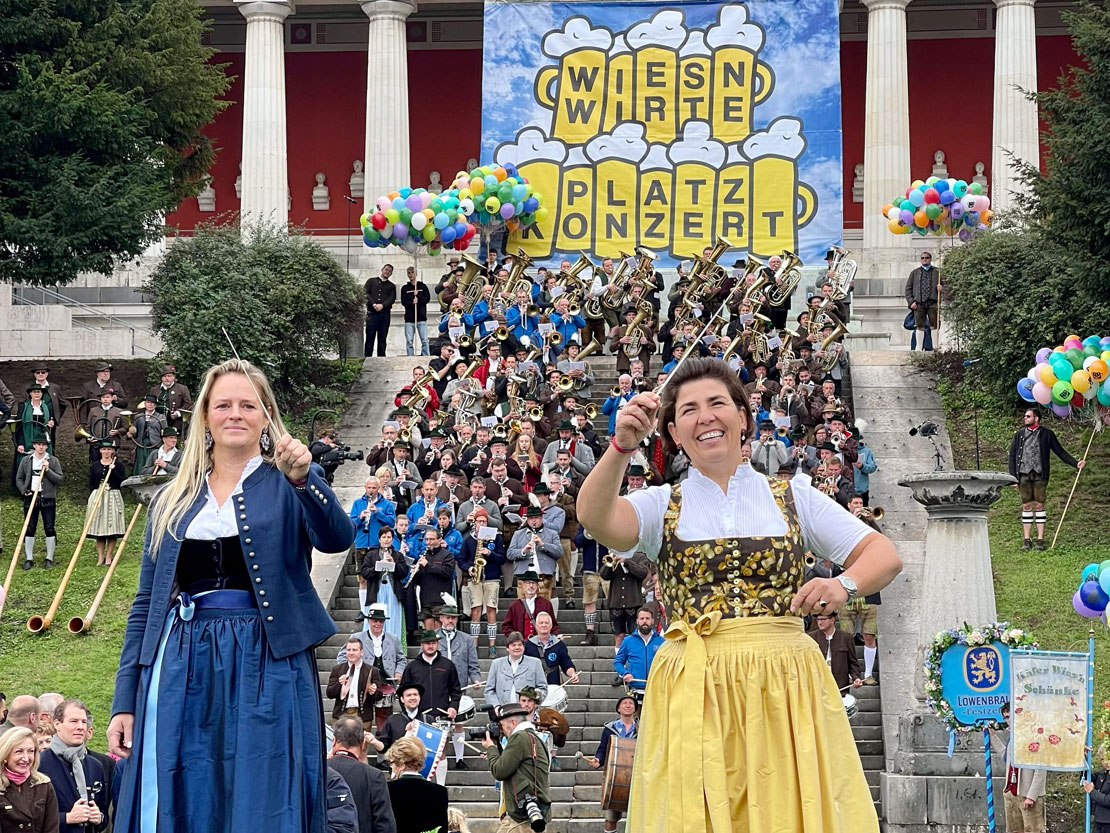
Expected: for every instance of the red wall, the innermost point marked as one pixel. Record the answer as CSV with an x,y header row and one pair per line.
x,y
327,112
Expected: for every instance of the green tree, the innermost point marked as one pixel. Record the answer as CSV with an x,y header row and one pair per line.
x,y
285,302
1070,197
101,108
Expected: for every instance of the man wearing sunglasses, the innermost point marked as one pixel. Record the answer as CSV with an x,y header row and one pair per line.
x,y
921,297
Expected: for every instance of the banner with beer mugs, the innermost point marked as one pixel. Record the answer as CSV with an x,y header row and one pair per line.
x,y
669,125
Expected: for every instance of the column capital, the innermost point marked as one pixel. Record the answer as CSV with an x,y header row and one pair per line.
x,y
1003,3
878,5
265,9
395,9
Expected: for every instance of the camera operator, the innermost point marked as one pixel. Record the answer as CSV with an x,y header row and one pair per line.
x,y
522,768
330,454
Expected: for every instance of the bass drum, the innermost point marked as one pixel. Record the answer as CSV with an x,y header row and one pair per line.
x,y
556,698
618,774
467,709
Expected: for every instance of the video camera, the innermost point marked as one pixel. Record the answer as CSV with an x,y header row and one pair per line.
x,y
479,732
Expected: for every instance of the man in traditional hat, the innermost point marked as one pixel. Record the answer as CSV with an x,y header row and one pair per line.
x,y
838,648
146,431
581,456
536,544
173,398
381,649
102,382
437,675
398,725
42,472
167,459
103,423
627,725
769,453
461,651
522,767
521,615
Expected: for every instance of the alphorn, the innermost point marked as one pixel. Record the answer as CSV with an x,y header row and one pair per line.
x,y
18,547
78,624
37,624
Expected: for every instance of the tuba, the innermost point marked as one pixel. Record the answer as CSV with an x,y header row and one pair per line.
x,y
636,335
829,357
517,280
786,279
843,272
470,283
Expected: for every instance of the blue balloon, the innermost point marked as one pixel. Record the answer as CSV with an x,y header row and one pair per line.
x,y
917,197
960,189
448,236
492,183
531,204
947,198
1090,572
441,221
405,192
1025,389
519,192
1092,341
1104,581
460,229
399,203
1093,596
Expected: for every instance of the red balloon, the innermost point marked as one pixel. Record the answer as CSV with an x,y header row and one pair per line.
x,y
932,195
1077,400
377,220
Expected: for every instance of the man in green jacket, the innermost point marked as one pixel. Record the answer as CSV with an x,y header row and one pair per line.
x,y
521,767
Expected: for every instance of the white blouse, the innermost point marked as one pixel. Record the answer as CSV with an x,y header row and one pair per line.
x,y
748,510
214,521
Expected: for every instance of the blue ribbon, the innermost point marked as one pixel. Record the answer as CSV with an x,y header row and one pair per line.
x,y
186,607
951,742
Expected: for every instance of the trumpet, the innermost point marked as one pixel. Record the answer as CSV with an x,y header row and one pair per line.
x,y
554,338
782,432
615,391
574,308
501,333
591,411
535,413
404,436
565,383
871,513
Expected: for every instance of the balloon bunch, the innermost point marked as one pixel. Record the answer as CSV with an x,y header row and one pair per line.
x,y
1069,376
414,217
1093,595
498,195
940,206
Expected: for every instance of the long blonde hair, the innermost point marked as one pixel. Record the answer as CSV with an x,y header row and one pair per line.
x,y
175,498
9,741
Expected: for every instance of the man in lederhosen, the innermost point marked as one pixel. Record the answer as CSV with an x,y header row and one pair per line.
x,y
102,382
40,471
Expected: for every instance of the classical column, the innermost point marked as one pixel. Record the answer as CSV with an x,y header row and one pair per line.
x,y
265,163
387,98
1015,117
886,132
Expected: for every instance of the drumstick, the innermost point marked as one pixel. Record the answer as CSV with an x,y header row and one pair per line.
x,y
478,684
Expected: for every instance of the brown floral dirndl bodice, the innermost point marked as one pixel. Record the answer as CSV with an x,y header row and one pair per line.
x,y
739,577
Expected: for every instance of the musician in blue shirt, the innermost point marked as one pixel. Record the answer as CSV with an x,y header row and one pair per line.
x,y
369,513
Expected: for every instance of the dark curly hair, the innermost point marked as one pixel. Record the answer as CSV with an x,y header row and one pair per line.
x,y
692,370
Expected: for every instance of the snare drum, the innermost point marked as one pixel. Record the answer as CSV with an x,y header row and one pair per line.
x,y
851,707
389,694
636,694
556,698
467,709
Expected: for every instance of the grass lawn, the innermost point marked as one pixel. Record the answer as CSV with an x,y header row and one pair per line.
x,y
1034,589
78,665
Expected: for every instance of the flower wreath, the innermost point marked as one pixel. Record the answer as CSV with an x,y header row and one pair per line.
x,y
982,635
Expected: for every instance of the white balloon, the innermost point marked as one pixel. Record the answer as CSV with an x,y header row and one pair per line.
x,y
419,220
1091,392
1087,362
410,245
894,213
387,232
1032,374
467,206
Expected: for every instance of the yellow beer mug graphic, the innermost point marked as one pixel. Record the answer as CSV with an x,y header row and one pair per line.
x,y
656,185
619,100
734,199
739,79
540,161
575,89
616,157
655,46
696,158
576,204
780,203
694,69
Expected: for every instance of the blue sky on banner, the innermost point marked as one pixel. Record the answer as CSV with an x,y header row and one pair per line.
x,y
801,45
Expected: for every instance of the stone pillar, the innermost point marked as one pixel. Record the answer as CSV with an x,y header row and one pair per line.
x,y
265,163
886,132
923,789
1015,117
387,98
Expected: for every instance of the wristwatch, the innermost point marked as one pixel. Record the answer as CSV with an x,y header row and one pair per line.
x,y
849,585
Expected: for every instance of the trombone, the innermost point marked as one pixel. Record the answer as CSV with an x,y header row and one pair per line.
x,y
37,624
78,624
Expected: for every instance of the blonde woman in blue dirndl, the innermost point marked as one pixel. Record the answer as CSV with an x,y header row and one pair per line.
x,y
217,702
742,729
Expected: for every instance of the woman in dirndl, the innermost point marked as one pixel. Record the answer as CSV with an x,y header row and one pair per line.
x,y
217,702
104,514
743,728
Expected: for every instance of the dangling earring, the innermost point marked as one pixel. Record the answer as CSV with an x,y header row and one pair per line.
x,y
264,440
208,441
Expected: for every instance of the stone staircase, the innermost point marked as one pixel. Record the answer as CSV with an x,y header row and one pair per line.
x,y
576,788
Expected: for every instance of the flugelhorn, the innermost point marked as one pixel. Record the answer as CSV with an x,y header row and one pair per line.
x,y
591,411
871,513
78,624
37,624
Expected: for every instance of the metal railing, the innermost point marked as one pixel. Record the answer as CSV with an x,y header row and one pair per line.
x,y
19,296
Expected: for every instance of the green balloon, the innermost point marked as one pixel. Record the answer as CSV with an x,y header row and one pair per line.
x,y
372,234
1092,352
406,215
428,232
1062,392
1105,565
436,205
975,188
1075,357
932,210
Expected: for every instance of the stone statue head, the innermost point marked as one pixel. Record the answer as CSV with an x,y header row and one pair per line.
x,y
471,163
938,157
434,176
358,166
859,170
319,178
979,168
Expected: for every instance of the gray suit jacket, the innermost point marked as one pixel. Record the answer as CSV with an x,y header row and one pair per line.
x,y
393,658
463,654
582,461
502,682
50,481
171,465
